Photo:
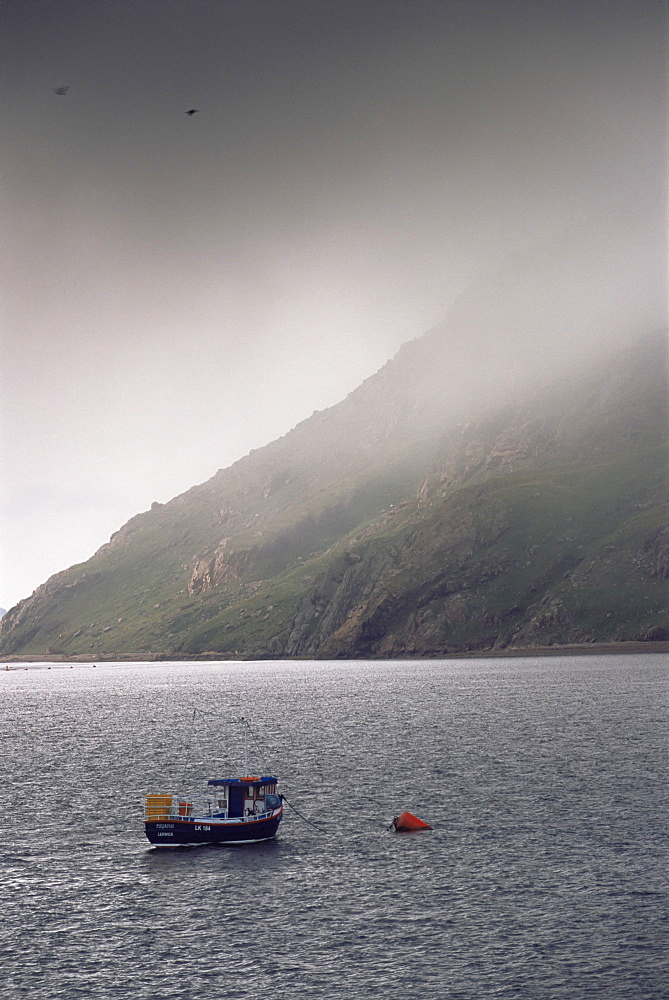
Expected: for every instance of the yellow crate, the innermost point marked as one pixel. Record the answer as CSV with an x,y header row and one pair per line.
x,y
158,807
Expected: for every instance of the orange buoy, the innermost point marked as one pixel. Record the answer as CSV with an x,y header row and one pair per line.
x,y
407,821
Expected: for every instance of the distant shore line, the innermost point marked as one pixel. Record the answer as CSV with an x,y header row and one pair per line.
x,y
578,649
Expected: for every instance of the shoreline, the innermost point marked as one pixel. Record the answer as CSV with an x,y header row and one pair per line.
x,y
582,649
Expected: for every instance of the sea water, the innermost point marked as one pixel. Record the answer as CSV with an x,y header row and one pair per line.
x,y
544,876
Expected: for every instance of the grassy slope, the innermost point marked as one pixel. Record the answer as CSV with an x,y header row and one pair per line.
x,y
582,577
573,544
132,598
565,562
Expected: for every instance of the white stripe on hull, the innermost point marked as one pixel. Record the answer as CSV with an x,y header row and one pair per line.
x,y
217,843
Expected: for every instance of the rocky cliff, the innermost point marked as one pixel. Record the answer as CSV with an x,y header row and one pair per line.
x,y
384,527
499,482
542,524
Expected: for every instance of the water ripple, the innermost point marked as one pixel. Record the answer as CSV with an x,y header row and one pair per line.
x,y
544,877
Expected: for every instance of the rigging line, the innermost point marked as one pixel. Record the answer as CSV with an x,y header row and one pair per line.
x,y
310,822
204,717
222,720
199,713
190,744
259,750
215,732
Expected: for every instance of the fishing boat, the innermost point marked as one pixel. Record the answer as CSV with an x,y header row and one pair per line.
x,y
241,810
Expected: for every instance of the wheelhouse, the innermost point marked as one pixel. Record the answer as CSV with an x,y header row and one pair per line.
x,y
243,797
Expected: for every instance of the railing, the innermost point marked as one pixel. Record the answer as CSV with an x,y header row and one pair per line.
x,y
162,807
159,808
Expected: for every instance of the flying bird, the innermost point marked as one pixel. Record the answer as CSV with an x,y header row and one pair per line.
x,y
193,111
61,91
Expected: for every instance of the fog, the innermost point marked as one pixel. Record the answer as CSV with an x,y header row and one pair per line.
x,y
180,289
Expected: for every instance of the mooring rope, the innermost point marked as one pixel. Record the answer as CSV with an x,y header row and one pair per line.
x,y
310,822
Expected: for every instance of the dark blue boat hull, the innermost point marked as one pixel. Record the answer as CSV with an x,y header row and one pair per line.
x,y
182,832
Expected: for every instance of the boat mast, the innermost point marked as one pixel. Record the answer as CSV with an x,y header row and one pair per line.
x,y
246,746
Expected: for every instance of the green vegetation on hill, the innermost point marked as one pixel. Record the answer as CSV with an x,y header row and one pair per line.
x,y
382,527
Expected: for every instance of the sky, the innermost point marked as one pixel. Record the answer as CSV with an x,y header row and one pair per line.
x,y
179,289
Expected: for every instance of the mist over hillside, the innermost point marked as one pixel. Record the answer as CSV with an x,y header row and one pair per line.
x,y
499,483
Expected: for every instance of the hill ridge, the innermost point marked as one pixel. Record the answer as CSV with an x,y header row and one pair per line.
x,y
410,538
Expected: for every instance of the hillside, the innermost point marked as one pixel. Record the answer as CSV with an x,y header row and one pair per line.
x,y
385,526
541,525
499,483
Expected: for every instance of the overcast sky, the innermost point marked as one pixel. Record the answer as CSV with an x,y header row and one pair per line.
x,y
180,289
